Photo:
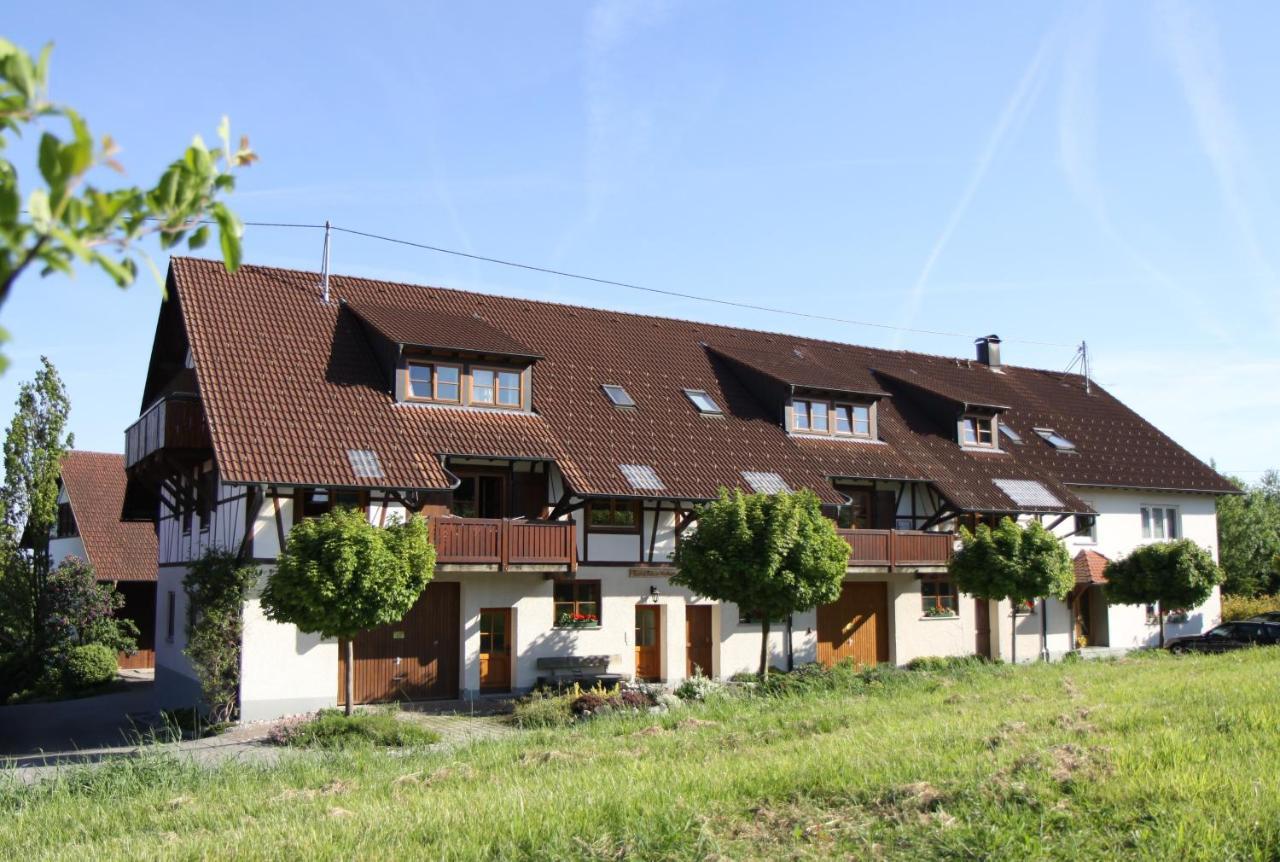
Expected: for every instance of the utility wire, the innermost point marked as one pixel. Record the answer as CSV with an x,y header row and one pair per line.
x,y
640,287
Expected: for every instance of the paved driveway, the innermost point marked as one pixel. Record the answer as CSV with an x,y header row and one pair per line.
x,y
36,732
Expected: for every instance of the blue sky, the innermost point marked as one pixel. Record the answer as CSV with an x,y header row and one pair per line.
x,y
1048,172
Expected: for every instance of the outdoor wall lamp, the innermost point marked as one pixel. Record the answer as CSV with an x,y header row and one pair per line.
x,y
653,593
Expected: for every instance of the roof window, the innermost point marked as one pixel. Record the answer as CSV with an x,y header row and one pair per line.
x,y
704,402
617,395
641,476
765,483
1056,440
1027,493
1010,435
364,463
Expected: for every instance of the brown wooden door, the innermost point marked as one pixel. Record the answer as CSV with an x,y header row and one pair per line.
x,y
982,627
648,644
495,649
414,659
140,607
856,625
697,639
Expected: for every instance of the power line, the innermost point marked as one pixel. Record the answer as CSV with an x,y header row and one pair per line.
x,y
640,287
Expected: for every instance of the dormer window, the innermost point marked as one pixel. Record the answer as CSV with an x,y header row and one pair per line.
x,y
495,388
704,402
617,396
978,431
1056,440
431,381
811,416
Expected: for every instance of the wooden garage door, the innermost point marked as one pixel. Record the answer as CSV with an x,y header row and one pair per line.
x,y
414,659
856,625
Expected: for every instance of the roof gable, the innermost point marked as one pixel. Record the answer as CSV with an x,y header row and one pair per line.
x,y
119,551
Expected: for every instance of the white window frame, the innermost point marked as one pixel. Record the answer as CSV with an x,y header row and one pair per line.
x,y
1147,513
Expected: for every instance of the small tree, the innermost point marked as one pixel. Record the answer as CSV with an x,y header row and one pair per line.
x,y
81,610
339,575
33,449
217,586
1177,574
1020,564
771,554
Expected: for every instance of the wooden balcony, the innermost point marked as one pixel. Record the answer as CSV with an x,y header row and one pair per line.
x,y
504,544
173,424
891,548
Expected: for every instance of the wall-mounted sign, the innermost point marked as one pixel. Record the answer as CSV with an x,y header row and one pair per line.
x,y
399,636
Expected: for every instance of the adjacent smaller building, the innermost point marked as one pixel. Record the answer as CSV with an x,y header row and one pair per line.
x,y
121,553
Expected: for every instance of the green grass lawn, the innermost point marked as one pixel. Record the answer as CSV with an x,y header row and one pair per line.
x,y
1149,757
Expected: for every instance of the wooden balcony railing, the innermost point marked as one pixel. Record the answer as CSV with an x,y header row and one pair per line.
x,y
170,423
898,547
504,543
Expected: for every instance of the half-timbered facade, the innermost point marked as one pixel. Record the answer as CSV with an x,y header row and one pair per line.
x,y
559,453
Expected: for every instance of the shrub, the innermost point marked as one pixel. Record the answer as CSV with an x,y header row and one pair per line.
x,y
946,663
701,688
88,665
333,729
590,703
1243,607
543,709
216,587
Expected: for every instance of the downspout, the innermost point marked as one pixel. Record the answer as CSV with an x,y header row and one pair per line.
x,y
1044,629
791,659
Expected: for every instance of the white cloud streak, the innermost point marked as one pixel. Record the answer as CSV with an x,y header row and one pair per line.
x,y
1011,117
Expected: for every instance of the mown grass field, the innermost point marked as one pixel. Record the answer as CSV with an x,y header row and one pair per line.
x,y
1150,757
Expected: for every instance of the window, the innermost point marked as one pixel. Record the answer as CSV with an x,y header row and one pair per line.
x,y
810,415
978,431
765,483
66,522
498,388
171,608
818,418
1010,435
861,419
938,598
1160,522
1056,440
856,515
1086,528
704,402
642,477
433,382
620,516
618,396
577,604
204,500
800,415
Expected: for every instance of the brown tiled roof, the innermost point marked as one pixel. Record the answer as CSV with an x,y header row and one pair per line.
x,y
290,384
421,328
1090,568
95,485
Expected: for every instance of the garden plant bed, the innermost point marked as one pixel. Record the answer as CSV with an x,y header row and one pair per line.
x,y
1145,757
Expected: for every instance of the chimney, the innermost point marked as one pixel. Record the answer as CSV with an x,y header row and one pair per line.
x,y
989,350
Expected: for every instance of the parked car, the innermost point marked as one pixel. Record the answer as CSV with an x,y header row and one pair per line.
x,y
1228,636
1268,617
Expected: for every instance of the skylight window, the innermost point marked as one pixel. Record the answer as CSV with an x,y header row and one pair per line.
x,y
765,483
1056,440
364,463
1027,493
618,396
1010,435
641,476
704,402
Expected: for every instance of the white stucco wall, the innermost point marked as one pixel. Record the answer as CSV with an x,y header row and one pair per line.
x,y
175,681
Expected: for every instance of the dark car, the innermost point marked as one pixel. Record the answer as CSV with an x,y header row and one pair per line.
x,y
1228,636
1268,617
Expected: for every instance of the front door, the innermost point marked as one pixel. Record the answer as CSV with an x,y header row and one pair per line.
x,y
648,644
413,659
697,637
982,627
495,649
856,625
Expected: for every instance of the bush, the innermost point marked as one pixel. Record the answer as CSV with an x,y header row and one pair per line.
x,y
332,729
1243,607
87,666
700,688
543,709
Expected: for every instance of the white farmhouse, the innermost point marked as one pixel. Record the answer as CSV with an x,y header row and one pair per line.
x,y
559,453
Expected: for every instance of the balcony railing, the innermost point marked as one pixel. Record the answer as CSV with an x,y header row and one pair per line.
x,y
504,543
170,423
898,547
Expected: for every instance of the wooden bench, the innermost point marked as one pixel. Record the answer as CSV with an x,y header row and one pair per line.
x,y
576,668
